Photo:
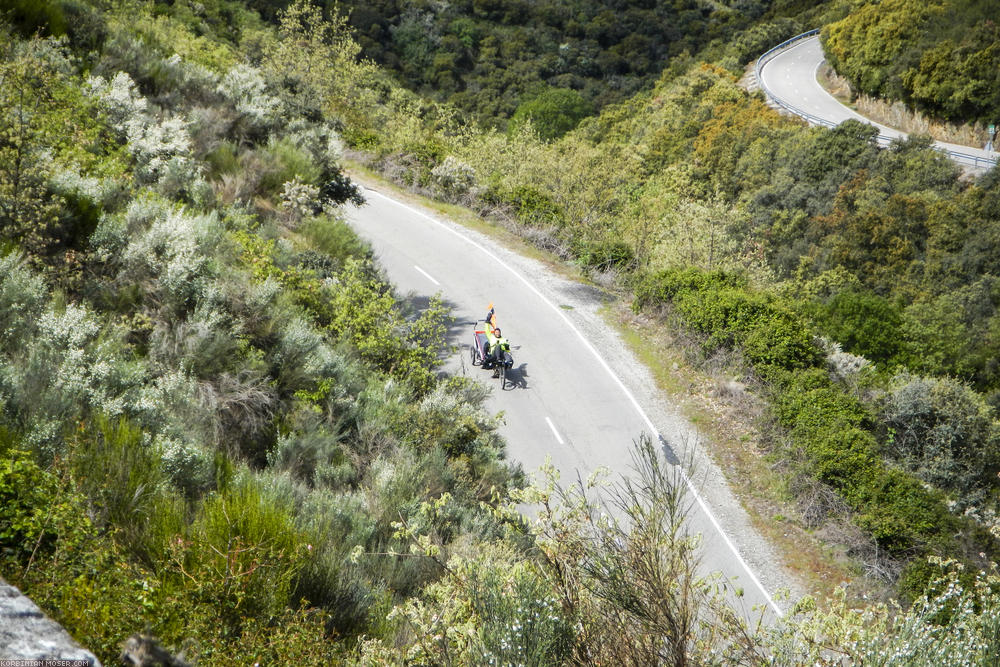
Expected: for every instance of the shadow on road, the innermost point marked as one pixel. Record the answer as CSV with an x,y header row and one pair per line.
x,y
518,377
668,451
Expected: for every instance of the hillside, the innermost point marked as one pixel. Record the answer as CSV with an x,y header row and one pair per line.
x,y
941,58
502,61
220,427
857,276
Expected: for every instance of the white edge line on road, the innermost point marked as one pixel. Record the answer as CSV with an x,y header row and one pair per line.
x,y
554,431
621,385
426,275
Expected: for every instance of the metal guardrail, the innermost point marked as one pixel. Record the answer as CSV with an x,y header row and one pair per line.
x,y
977,161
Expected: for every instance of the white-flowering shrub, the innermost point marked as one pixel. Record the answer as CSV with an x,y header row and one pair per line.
x,y
843,366
156,145
69,180
170,405
143,211
153,143
125,106
188,466
245,88
22,299
299,200
174,252
321,141
71,365
454,177
87,366
953,624
70,331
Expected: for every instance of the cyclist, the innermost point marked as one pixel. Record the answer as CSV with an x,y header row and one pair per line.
x,y
497,346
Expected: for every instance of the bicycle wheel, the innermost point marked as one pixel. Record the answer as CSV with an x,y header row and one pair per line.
x,y
472,354
503,377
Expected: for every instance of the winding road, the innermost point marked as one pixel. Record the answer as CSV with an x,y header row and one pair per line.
x,y
579,398
788,77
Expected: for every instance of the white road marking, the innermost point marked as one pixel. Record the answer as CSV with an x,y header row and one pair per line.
x,y
554,431
426,275
621,385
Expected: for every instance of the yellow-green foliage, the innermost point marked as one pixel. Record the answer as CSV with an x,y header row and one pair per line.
x,y
161,32
939,56
211,368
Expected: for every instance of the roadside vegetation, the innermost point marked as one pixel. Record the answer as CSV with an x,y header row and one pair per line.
x,y
219,426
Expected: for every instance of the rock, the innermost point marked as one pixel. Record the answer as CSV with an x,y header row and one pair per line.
x,y
28,634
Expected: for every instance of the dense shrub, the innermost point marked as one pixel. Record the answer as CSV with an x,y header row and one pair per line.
x,y
730,313
834,431
941,57
36,520
552,112
225,384
865,324
943,432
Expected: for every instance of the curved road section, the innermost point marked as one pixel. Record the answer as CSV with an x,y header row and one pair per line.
x,y
578,397
787,75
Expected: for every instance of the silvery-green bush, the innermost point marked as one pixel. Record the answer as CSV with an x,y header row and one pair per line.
x,y
299,201
322,142
453,177
245,88
172,257
61,361
945,432
122,101
103,192
22,299
156,144
188,466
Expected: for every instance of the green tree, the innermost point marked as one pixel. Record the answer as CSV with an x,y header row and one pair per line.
x,y
865,324
29,96
552,112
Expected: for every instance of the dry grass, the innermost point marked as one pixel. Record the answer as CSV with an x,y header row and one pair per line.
x,y
836,85
897,115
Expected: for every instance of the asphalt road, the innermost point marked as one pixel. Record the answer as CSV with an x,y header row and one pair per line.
x,y
790,76
578,397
